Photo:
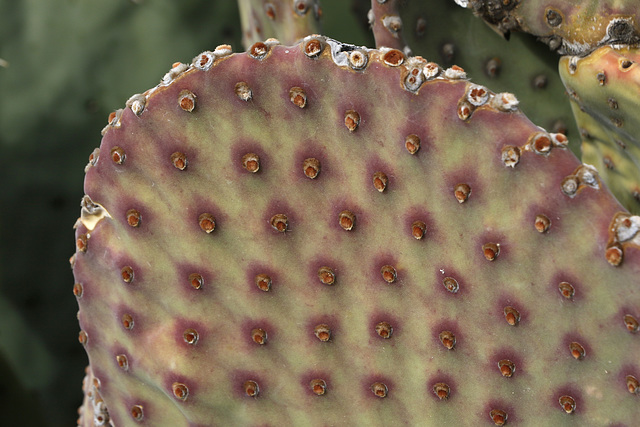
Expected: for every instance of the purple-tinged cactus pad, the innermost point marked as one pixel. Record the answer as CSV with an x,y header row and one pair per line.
x,y
401,248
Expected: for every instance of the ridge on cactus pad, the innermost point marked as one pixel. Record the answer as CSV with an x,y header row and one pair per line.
x,y
328,235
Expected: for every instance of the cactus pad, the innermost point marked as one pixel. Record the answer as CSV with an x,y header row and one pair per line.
x,y
448,34
287,20
603,88
330,235
571,27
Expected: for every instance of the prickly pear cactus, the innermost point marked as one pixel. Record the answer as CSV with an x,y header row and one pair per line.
x,y
325,234
603,88
450,35
571,27
286,20
386,24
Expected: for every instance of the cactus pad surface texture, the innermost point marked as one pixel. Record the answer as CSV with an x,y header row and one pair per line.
x,y
571,27
328,235
603,88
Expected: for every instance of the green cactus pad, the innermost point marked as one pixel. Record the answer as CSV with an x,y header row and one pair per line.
x,y
330,235
603,88
447,34
287,20
571,27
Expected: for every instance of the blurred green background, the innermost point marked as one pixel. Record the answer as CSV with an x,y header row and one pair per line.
x,y
64,66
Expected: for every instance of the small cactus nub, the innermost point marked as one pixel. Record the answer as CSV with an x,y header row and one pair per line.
x,y
614,254
318,386
263,282
498,416
190,336
347,220
322,332
510,155
326,275
380,181
631,323
447,339
313,48
351,120
251,162
78,290
451,284
298,97
633,385
251,388
567,403
81,243
311,167
279,222
491,251
462,192
180,391
133,218
379,389
412,143
118,155
127,321
243,91
137,413
259,336
393,57
196,280
418,229
577,350
179,160
512,316
542,223
384,329
389,273
187,100
507,368
122,361
207,222
442,390
567,290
